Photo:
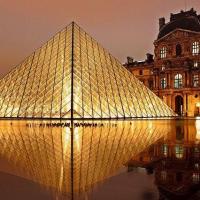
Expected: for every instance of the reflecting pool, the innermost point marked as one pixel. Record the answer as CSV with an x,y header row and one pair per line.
x,y
174,161
73,160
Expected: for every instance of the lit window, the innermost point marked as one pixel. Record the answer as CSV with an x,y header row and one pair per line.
x,y
196,165
195,48
195,177
163,175
178,81
195,80
179,151
163,52
163,83
163,67
196,152
165,149
195,63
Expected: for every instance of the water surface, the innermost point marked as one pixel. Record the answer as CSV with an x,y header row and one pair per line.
x,y
76,160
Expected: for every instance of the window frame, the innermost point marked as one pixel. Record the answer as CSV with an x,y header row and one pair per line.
x,y
163,68
178,81
163,83
195,48
179,151
163,52
196,64
195,80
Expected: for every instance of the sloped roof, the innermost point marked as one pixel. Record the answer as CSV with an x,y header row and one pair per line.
x,y
185,21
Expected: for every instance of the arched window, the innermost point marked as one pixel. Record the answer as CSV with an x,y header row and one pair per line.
x,y
178,50
163,52
178,81
195,48
163,67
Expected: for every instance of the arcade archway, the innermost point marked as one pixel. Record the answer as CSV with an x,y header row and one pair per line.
x,y
179,105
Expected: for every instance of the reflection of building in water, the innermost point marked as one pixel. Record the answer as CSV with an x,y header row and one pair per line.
x,y
175,160
71,160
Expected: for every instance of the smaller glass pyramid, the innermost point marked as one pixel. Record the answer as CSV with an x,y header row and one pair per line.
x,y
74,77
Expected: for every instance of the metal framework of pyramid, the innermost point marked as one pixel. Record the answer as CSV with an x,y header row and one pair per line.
x,y
74,77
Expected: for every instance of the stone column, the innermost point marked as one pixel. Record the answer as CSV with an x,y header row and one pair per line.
x,y
171,80
168,80
170,100
184,103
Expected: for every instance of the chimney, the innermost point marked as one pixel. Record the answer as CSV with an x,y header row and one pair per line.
x,y
149,58
161,22
130,60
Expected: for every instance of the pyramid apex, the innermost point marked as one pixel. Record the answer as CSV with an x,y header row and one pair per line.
x,y
73,23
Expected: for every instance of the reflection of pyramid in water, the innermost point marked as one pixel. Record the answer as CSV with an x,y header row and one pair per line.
x,y
72,76
50,156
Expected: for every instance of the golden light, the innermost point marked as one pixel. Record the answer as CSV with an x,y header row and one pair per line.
x,y
80,76
198,129
47,156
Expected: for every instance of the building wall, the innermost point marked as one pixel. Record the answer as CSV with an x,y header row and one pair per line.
x,y
185,98
144,73
178,64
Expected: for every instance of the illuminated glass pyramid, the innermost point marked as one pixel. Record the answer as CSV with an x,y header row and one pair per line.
x,y
72,76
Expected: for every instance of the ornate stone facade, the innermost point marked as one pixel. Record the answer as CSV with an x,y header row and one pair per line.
x,y
174,73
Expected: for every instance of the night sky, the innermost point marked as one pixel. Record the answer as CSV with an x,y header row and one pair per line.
x,y
124,27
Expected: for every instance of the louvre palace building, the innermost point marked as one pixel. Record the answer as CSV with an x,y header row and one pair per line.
x,y
173,73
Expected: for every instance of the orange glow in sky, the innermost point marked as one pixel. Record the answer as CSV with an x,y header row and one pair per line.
x,y
124,27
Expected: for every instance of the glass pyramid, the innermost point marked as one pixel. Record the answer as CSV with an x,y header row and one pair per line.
x,y
72,77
